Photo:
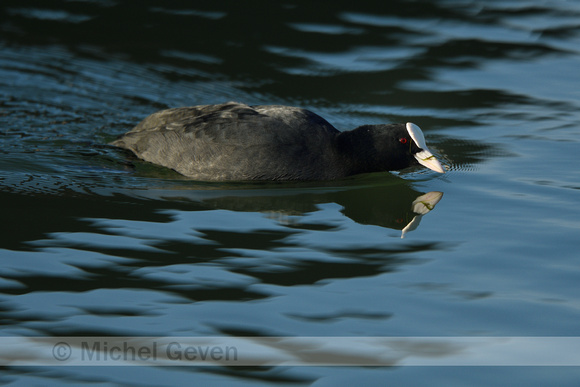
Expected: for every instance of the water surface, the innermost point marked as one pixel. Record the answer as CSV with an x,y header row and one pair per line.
x,y
97,243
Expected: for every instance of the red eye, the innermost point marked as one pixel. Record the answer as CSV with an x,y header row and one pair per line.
x,y
403,140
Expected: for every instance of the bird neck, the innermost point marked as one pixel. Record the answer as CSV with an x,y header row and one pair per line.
x,y
356,147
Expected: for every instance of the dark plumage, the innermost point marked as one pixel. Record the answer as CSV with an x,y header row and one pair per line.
x,y
236,142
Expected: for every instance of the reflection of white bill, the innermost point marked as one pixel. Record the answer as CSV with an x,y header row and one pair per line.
x,y
422,205
290,351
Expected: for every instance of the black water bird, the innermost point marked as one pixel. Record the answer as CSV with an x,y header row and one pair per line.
x,y
237,142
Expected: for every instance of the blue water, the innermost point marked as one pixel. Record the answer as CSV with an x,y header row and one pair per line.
x,y
96,243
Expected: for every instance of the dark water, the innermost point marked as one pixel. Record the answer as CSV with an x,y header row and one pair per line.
x,y
96,243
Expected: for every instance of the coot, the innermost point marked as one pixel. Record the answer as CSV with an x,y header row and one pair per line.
x,y
235,142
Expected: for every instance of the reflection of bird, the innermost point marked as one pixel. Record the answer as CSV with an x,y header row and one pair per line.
x,y
233,141
422,205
